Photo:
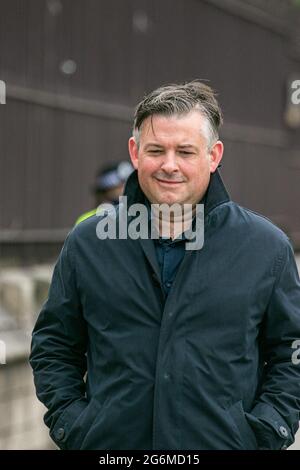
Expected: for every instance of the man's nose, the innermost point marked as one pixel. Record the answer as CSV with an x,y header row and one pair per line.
x,y
169,164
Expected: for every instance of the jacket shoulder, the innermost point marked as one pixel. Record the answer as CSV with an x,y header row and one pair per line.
x,y
259,225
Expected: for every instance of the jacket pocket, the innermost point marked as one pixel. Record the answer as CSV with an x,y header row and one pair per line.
x,y
246,434
74,423
83,424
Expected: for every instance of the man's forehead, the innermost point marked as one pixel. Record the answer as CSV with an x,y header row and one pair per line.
x,y
161,125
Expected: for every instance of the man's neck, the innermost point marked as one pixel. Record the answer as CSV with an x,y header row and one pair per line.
x,y
171,225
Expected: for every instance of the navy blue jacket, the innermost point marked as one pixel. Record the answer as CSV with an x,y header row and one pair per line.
x,y
214,365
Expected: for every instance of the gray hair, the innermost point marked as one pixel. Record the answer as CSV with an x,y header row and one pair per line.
x,y
181,99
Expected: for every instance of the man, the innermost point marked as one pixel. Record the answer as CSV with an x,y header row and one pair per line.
x,y
109,186
183,349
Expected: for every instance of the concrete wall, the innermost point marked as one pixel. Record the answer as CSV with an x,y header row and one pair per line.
x,y
22,293
21,414
21,423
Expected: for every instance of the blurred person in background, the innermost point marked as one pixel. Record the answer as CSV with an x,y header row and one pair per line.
x,y
183,349
109,185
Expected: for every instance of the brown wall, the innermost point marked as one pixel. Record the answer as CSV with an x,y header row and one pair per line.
x,y
56,129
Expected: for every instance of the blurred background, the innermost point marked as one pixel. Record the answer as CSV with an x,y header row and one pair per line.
x,y
73,71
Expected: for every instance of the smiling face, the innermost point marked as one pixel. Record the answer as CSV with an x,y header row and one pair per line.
x,y
172,159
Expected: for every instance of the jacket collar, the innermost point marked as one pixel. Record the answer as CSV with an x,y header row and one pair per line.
x,y
215,195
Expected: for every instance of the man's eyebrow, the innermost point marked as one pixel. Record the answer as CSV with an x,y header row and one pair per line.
x,y
153,144
182,146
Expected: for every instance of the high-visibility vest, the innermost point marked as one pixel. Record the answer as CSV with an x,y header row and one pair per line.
x,y
86,215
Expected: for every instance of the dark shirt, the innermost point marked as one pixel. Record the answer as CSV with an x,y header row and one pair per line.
x,y
169,254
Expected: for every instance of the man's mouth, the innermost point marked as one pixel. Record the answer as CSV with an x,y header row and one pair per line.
x,y
161,180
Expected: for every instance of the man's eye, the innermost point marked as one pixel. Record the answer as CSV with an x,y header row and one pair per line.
x,y
155,152
184,152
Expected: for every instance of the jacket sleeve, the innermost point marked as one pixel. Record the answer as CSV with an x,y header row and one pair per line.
x,y
58,350
275,415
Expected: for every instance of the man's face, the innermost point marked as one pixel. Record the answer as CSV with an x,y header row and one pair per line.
x,y
172,160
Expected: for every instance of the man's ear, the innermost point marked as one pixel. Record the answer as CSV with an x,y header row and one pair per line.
x,y
215,155
133,152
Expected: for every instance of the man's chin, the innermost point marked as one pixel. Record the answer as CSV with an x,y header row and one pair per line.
x,y
169,201
165,198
